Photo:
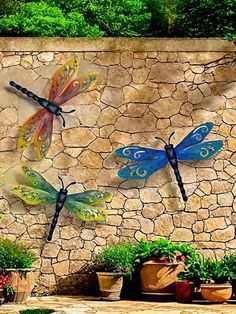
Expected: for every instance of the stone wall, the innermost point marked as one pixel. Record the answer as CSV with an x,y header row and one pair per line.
x,y
146,88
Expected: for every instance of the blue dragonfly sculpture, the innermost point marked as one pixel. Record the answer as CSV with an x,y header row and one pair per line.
x,y
150,160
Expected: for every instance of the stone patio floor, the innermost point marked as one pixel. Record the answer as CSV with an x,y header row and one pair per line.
x,y
92,305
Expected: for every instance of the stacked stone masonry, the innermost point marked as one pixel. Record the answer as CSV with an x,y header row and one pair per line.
x,y
138,95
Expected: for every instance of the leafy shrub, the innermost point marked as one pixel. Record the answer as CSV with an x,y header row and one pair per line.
x,y
229,263
164,250
15,255
118,258
37,311
41,19
207,18
114,18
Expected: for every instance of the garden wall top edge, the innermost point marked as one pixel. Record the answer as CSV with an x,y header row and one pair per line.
x,y
8,44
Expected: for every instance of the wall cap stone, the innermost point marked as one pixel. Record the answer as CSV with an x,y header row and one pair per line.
x,y
21,44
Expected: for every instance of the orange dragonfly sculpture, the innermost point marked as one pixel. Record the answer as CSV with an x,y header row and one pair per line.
x,y
37,131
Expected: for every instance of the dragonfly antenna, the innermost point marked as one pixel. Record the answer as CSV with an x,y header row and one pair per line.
x,y
171,136
62,183
63,120
159,138
73,110
72,183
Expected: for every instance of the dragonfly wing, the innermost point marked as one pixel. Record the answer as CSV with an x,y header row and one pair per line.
x,y
91,197
37,131
140,153
63,76
84,211
142,170
75,87
201,151
195,136
37,181
33,196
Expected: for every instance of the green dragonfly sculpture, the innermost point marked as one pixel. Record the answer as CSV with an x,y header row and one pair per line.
x,y
38,191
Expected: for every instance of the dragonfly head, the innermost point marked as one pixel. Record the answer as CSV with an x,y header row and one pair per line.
x,y
63,186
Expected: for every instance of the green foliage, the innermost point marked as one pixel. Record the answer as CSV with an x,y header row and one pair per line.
x,y
229,263
37,311
15,255
124,18
207,18
118,258
41,19
164,251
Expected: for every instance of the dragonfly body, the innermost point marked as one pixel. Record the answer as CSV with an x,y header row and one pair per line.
x,y
38,191
37,131
172,158
46,104
148,160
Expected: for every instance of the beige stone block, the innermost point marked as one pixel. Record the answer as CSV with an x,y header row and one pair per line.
x,y
46,56
133,204
182,234
203,236
223,235
152,210
165,108
64,161
195,96
229,116
126,59
90,159
193,204
127,124
77,137
149,195
198,227
112,96
10,61
231,144
166,90
208,200
35,231
108,116
147,226
164,225
51,250
106,131
189,75
140,94
8,116
199,57
100,145
118,77
167,73
61,268
88,114
225,199
138,63
140,75
206,174
114,220
27,62
131,224
212,224
109,58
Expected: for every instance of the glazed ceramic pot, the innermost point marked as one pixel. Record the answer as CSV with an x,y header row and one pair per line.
x,y
184,291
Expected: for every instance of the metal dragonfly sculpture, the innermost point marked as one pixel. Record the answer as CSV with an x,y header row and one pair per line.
x,y
37,131
38,191
150,160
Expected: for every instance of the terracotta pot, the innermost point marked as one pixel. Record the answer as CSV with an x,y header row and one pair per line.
x,y
22,282
184,291
110,285
159,278
216,293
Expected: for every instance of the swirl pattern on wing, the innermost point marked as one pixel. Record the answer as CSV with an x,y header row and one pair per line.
x,y
33,196
139,153
84,211
142,170
201,151
196,136
62,77
91,197
37,181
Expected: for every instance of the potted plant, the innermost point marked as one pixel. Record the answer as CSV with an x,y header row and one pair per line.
x,y
216,288
188,279
16,260
229,263
162,260
111,264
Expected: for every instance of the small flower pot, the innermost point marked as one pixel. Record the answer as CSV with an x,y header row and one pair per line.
x,y
216,293
184,291
110,285
21,285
